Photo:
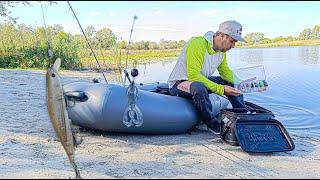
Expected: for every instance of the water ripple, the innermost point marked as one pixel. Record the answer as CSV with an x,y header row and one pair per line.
x,y
296,119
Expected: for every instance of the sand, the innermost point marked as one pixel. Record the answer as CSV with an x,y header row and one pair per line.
x,y
29,147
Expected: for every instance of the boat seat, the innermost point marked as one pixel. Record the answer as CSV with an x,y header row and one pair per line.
x,y
163,88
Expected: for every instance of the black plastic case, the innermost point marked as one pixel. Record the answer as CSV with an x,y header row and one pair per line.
x,y
263,136
256,132
229,117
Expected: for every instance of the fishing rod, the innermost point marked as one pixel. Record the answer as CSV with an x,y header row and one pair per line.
x,y
50,52
129,42
74,15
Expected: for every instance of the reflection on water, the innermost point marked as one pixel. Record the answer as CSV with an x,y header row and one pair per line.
x,y
155,72
251,56
309,55
293,76
304,54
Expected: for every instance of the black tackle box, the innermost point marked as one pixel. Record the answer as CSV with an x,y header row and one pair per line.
x,y
255,129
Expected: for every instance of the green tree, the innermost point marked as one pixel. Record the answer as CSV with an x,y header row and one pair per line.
x,y
163,44
315,33
79,40
90,32
265,41
146,45
172,44
181,43
153,45
278,39
122,44
55,29
305,34
105,38
290,38
254,38
138,45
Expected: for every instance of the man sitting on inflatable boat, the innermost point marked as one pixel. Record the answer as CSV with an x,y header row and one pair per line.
x,y
199,59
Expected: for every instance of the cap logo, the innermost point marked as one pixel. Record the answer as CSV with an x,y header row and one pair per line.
x,y
239,31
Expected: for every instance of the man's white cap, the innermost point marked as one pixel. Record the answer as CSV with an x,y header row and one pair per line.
x,y
233,29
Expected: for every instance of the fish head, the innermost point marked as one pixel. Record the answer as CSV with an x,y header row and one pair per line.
x,y
56,66
53,77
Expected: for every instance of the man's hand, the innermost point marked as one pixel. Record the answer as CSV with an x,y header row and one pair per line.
x,y
228,90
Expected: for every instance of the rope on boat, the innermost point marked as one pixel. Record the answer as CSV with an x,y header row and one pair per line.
x,y
132,115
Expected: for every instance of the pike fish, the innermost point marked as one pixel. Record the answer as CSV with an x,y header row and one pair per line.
x,y
58,113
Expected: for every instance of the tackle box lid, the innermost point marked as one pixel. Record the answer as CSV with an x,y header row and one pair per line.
x,y
263,136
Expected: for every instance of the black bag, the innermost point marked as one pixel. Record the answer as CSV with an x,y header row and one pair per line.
x,y
229,118
256,131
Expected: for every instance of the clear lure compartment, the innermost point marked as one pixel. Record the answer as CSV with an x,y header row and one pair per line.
x,y
251,79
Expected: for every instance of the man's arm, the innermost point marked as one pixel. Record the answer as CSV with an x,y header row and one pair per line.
x,y
195,56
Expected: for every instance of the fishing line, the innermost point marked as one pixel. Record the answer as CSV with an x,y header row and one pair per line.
x,y
50,51
129,42
74,15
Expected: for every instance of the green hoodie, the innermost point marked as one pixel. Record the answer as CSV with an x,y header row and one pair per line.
x,y
195,59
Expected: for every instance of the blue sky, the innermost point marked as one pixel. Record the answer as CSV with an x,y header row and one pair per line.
x,y
175,20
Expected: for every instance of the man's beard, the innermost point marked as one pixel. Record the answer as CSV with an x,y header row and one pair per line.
x,y
223,50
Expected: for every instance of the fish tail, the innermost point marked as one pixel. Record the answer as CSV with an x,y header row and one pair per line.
x,y
77,172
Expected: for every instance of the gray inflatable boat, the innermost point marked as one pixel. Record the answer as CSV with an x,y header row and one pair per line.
x,y
108,107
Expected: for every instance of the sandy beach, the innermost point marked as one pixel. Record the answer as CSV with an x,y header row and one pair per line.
x,y
29,148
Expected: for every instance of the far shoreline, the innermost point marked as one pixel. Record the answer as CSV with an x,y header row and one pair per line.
x,y
167,54
309,42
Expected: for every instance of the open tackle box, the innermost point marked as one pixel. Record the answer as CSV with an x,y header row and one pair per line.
x,y
256,130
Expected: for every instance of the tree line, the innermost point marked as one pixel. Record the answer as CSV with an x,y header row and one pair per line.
x,y
259,38
27,47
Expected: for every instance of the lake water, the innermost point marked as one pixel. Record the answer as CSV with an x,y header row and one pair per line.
x,y
293,75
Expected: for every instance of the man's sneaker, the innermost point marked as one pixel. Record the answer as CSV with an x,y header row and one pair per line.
x,y
214,126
